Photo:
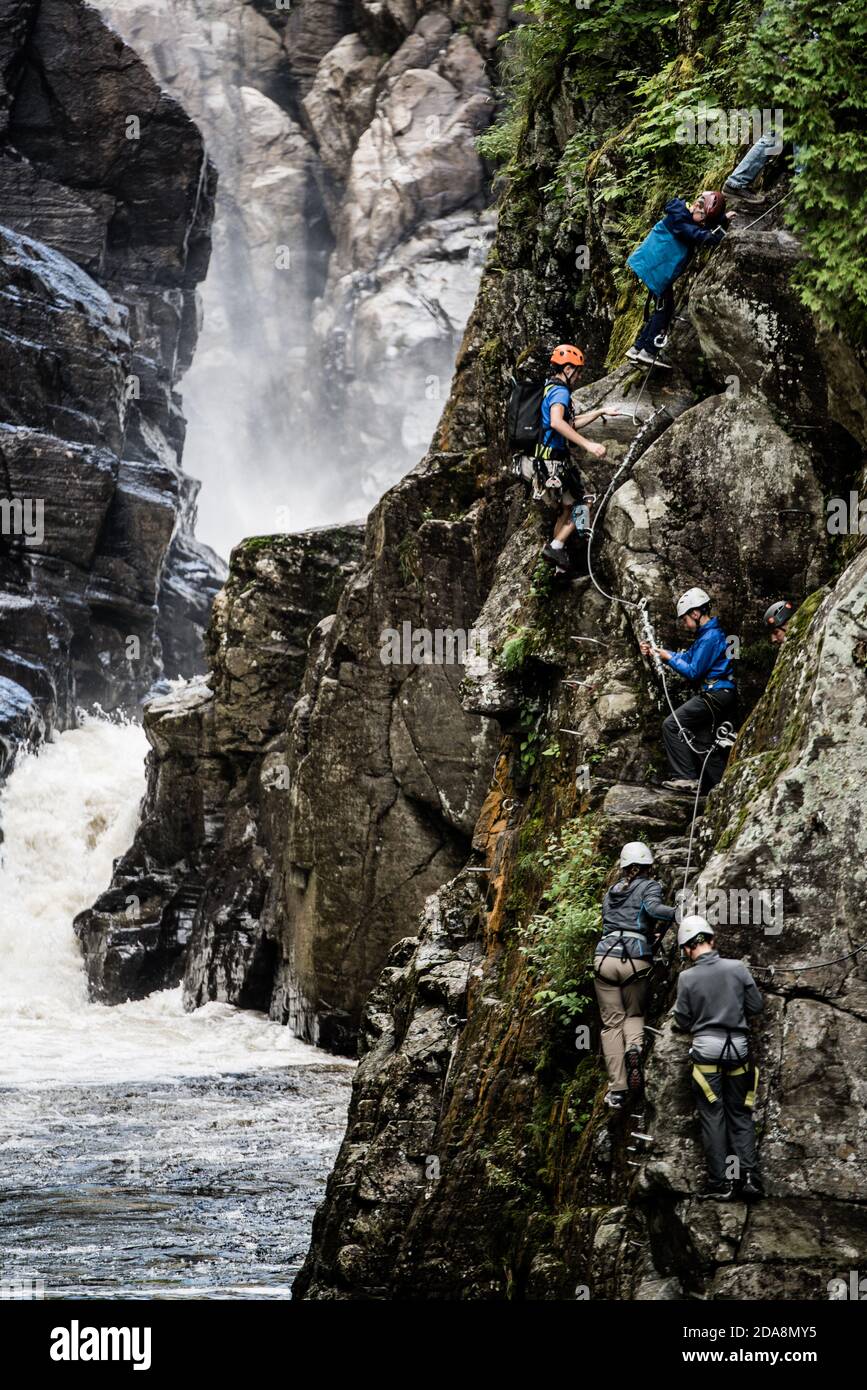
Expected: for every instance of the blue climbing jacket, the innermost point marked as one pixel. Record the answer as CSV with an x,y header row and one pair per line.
x,y
706,662
668,246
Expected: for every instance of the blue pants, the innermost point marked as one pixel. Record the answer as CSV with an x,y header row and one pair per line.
x,y
755,159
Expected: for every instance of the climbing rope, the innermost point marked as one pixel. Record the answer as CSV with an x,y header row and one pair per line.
x,y
802,969
641,606
635,419
591,530
764,214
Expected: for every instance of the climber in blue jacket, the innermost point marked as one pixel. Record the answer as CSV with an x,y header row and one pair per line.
x,y
688,733
664,255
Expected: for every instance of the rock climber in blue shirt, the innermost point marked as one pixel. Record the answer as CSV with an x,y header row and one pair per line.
x,y
707,665
664,255
557,481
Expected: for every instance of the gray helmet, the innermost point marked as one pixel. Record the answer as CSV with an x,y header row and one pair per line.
x,y
779,613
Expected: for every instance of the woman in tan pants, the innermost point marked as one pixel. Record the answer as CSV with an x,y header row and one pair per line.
x,y
634,919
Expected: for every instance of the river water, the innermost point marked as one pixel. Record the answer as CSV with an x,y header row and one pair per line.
x,y
144,1152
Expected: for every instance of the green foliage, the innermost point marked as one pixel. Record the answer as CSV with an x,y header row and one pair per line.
x,y
809,58
542,582
624,60
559,942
409,561
516,649
530,737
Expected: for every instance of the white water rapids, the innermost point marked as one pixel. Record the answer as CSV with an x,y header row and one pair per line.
x,y
66,814
144,1152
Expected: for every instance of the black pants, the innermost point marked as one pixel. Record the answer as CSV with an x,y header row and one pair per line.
x,y
727,1126
700,716
656,324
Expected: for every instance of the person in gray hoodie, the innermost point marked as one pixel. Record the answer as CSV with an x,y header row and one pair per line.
x,y
634,920
715,1001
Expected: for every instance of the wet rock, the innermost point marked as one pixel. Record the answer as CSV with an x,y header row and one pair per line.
x,y
187,900
351,212
106,237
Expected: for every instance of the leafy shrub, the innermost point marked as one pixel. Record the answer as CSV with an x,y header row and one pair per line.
x,y
809,57
559,942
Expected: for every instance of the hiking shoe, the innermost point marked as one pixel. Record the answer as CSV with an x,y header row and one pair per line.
x,y
648,360
560,557
681,784
615,1100
717,1192
746,195
752,1188
633,354
634,1074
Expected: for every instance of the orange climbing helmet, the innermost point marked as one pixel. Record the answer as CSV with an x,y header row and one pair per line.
x,y
565,355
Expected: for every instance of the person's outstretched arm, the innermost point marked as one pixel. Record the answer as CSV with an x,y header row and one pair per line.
x,y
559,424
683,227
660,912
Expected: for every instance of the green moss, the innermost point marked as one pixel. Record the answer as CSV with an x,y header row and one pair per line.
x,y
558,942
409,561
255,543
516,649
776,727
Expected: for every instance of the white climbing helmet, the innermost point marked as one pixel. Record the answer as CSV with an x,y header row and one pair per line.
x,y
693,598
635,853
691,927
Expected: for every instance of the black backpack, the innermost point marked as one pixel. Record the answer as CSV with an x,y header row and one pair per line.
x,y
525,415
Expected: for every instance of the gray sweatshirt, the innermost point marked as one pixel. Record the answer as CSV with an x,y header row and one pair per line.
x,y
635,907
716,993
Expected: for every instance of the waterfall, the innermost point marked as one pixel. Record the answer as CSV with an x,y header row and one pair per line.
x,y
67,811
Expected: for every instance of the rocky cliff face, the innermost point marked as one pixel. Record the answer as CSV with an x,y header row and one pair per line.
x,y
479,1161
187,900
349,238
471,1097
454,824
106,200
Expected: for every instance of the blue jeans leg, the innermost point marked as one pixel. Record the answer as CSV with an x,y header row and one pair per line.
x,y
754,161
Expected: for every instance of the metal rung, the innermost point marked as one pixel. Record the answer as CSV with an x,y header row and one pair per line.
x,y
632,1163
636,1134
